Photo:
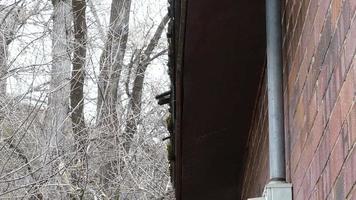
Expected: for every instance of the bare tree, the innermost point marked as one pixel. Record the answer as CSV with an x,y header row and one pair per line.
x,y
57,121
9,22
77,92
142,61
3,67
111,63
58,140
12,19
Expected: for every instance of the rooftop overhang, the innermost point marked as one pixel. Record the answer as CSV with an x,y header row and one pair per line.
x,y
219,57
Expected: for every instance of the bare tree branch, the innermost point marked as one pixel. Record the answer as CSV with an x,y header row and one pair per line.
x,y
133,117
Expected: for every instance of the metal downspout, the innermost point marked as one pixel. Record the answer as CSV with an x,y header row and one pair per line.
x,y
275,91
277,188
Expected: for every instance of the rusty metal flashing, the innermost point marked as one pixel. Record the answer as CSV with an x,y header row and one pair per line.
x,y
179,28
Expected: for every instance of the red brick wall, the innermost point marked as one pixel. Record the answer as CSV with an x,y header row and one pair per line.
x,y
319,42
256,161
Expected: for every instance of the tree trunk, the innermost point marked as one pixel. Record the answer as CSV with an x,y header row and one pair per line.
x,y
57,120
58,100
111,63
77,92
135,102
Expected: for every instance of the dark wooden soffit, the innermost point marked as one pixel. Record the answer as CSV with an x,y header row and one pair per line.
x,y
218,65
